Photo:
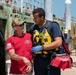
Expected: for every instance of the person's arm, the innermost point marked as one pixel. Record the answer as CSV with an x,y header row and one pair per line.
x,y
55,44
14,56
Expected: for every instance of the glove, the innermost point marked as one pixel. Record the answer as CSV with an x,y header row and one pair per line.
x,y
37,48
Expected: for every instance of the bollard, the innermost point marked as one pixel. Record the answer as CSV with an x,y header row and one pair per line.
x,y
8,65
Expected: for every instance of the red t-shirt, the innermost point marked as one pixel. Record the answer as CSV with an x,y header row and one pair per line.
x,y
22,47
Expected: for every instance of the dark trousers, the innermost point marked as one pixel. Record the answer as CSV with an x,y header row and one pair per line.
x,y
41,67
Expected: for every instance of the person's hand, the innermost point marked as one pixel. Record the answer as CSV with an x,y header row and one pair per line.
x,y
29,67
28,63
37,48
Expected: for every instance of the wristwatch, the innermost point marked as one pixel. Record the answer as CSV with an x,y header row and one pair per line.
x,y
42,47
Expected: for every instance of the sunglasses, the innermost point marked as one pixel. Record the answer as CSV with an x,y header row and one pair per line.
x,y
20,25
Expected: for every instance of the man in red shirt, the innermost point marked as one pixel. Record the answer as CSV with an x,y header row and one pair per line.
x,y
19,48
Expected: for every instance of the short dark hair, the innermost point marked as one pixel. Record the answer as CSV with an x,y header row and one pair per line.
x,y
40,11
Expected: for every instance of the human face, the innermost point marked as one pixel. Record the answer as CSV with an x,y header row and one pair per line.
x,y
19,29
37,19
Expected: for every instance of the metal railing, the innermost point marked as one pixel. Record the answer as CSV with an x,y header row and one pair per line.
x,y
16,5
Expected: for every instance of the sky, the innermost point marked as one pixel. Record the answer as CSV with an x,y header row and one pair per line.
x,y
59,8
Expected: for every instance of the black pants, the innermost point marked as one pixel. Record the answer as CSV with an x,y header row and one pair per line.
x,y
41,67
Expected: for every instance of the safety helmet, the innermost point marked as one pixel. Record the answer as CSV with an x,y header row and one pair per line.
x,y
66,31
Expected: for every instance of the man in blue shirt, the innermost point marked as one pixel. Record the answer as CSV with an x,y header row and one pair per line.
x,y
67,36
42,60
